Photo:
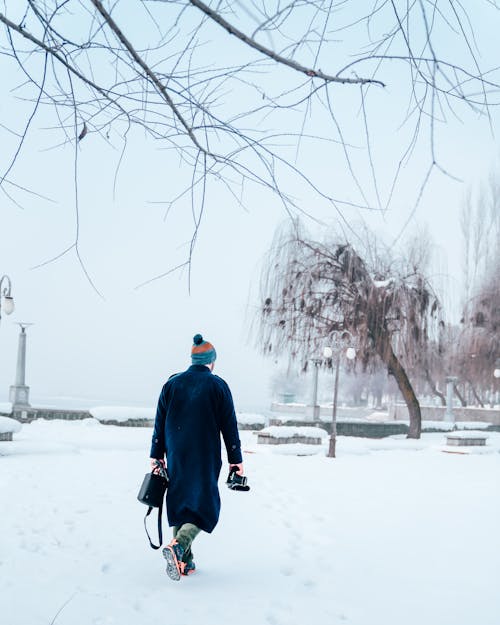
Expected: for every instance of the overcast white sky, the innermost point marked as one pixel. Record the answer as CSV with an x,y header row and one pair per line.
x,y
121,348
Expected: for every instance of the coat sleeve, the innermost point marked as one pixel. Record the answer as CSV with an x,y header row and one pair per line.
x,y
229,426
158,448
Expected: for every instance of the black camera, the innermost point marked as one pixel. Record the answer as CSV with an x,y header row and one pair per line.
x,y
235,481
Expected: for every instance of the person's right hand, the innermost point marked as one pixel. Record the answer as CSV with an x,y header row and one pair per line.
x,y
154,464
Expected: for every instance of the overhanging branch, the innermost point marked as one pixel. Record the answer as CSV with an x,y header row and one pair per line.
x,y
308,71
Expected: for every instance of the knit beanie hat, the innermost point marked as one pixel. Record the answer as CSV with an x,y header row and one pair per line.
x,y
202,352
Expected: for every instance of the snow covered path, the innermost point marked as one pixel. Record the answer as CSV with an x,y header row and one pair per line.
x,y
392,532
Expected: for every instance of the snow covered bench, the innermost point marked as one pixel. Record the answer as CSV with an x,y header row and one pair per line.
x,y
288,434
250,421
465,439
8,427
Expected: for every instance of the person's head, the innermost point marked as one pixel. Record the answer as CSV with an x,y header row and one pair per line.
x,y
203,352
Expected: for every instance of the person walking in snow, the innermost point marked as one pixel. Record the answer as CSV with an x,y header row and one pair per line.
x,y
195,407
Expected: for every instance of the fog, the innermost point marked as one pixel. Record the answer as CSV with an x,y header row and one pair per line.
x,y
104,339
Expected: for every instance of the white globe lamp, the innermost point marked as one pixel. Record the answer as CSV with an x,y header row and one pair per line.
x,y
8,304
327,352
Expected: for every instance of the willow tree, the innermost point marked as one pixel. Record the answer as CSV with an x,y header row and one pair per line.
x,y
311,290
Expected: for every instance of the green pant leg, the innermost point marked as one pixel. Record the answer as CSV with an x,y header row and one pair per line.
x,y
188,554
185,534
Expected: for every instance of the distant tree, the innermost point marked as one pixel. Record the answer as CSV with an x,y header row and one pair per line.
x,y
480,340
287,381
311,289
477,347
355,386
378,385
372,383
432,366
480,227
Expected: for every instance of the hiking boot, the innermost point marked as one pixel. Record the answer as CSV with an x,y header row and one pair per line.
x,y
173,554
189,568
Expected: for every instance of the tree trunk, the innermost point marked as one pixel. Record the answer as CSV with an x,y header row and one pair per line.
x,y
474,392
460,397
396,369
434,388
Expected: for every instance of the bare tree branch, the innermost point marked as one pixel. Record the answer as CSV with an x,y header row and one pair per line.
x,y
229,106
312,73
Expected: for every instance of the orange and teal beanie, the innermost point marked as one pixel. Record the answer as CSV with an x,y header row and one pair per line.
x,y
202,352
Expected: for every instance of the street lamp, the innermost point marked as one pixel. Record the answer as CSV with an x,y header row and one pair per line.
x,y
5,296
338,343
496,375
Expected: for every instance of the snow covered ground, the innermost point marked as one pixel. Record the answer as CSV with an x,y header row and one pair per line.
x,y
392,532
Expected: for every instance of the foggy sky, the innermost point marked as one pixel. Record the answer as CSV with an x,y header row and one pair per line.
x,y
121,348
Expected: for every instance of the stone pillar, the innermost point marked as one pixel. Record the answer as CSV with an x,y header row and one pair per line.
x,y
450,383
19,392
312,411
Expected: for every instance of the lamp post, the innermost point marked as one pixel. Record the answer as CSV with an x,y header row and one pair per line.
x,y
5,296
338,343
496,374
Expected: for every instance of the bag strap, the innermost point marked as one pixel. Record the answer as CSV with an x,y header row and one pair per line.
x,y
160,533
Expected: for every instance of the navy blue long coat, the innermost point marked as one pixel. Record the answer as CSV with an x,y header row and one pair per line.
x,y
195,407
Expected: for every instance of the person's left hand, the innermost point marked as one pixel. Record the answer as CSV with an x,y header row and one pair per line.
x,y
239,466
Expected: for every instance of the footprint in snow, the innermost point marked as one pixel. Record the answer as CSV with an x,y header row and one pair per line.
x,y
294,549
286,571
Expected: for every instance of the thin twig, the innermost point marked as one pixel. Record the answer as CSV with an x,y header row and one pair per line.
x,y
63,606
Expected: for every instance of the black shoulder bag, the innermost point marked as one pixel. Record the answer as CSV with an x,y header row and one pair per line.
x,y
152,494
